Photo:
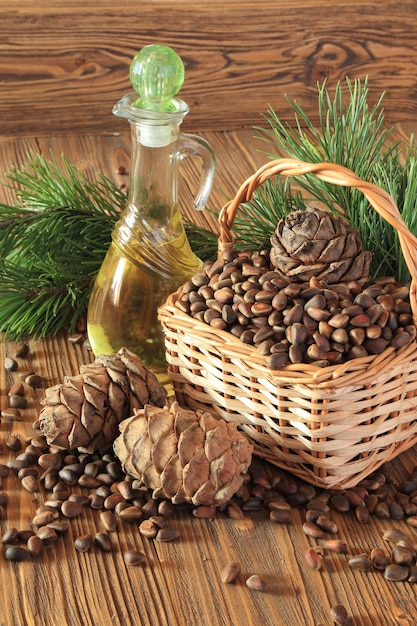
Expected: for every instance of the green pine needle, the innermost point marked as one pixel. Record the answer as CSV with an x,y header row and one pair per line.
x,y
36,301
255,221
352,134
52,244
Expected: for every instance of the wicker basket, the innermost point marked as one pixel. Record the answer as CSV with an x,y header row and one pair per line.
x,y
330,426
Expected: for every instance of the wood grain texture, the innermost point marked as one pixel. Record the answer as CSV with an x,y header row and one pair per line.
x,y
63,68
179,584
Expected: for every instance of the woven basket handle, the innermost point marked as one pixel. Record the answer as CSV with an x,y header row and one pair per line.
x,y
331,173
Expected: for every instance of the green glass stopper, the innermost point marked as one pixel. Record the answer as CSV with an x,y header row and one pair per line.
x,y
156,74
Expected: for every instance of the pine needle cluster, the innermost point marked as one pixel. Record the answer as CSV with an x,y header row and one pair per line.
x,y
52,243
352,134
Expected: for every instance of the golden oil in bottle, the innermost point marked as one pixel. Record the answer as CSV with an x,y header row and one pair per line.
x,y
129,289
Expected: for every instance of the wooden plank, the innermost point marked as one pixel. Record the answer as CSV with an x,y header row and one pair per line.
x,y
63,68
180,580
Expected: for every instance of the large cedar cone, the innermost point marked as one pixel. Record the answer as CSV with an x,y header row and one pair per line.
x,y
84,412
184,456
314,243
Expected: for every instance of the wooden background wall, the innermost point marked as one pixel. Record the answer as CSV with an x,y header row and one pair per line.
x,y
63,67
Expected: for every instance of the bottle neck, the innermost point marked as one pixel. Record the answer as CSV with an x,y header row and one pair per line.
x,y
153,186
150,231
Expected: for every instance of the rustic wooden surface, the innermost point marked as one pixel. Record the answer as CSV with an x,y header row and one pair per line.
x,y
57,59
179,585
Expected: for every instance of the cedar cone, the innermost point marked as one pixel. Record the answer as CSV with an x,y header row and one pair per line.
x,y
184,456
314,243
84,412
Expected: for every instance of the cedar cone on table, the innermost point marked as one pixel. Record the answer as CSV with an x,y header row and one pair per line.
x,y
315,243
184,456
83,413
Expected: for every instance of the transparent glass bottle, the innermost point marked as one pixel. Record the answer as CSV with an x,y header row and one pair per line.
x,y
149,256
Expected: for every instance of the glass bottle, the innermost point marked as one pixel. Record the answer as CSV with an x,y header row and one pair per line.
x,y
149,256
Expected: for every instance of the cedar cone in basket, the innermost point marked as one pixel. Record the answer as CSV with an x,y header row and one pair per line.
x,y
182,455
85,410
314,243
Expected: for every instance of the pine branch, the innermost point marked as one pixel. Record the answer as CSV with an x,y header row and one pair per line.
x,y
256,220
42,184
37,300
202,240
52,244
352,134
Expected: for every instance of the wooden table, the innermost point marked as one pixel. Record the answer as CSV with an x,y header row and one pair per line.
x,y
179,584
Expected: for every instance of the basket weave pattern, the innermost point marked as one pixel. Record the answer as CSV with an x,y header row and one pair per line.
x,y
330,426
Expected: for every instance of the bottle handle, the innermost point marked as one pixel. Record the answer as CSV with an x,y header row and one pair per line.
x,y
192,145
